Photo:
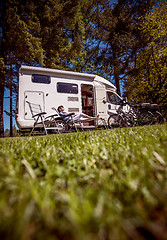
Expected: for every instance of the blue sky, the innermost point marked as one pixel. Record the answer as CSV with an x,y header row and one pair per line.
x,y
7,108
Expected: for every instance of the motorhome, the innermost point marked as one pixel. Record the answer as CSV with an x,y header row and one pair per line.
x,y
77,92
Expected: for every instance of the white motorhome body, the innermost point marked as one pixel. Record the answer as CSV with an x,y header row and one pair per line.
x,y
77,92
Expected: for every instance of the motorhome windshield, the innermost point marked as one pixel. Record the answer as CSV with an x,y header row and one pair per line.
x,y
113,98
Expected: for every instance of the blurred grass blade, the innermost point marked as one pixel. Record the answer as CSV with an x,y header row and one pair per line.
x,y
29,169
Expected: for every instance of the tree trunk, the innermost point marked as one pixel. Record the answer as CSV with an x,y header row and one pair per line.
x,y
116,77
116,71
11,115
2,67
1,105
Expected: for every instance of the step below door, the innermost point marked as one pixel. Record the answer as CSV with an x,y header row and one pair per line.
x,y
36,97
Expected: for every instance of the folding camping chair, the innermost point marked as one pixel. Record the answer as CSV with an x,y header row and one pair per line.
x,y
78,124
69,123
73,124
39,117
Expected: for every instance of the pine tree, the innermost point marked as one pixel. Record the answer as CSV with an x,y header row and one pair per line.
x,y
117,37
61,31
46,33
19,37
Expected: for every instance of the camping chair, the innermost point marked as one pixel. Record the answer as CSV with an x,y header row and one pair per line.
x,y
78,124
39,117
69,123
75,124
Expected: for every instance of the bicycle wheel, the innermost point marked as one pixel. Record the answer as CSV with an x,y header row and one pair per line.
x,y
115,121
101,122
145,118
157,118
60,126
130,120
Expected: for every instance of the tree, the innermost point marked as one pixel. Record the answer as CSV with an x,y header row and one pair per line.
x,y
46,33
115,37
20,38
148,81
14,130
84,61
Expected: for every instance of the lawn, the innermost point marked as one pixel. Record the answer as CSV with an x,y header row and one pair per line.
x,y
105,184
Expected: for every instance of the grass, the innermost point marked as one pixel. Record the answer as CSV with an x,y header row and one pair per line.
x,y
106,184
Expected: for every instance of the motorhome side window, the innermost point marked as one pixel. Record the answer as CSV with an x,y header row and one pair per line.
x,y
67,88
36,78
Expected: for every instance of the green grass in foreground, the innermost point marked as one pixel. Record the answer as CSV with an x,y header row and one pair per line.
x,y
107,184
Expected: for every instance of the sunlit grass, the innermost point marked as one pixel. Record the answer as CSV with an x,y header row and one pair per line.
x,y
106,184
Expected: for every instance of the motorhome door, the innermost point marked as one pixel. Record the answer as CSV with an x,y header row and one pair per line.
x,y
100,96
36,97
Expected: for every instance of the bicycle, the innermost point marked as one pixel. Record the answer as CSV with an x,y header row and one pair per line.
x,y
143,114
157,116
121,118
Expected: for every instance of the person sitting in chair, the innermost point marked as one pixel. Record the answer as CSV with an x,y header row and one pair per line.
x,y
68,116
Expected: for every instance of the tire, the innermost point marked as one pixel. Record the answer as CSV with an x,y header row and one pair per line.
x,y
101,122
115,121
60,126
130,121
157,118
145,118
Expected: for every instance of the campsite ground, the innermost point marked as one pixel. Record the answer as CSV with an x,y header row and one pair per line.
x,y
106,184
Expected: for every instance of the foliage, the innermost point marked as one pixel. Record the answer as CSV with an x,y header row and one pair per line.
x,y
44,33
149,81
14,132
62,31
19,43
99,36
109,184
115,37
